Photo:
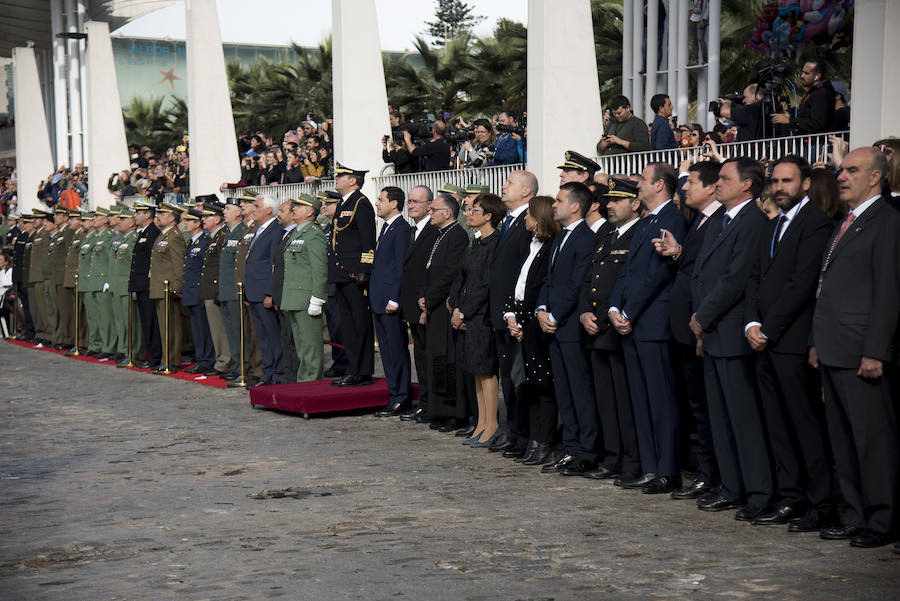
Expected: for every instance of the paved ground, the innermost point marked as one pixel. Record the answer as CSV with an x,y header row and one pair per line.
x,y
129,486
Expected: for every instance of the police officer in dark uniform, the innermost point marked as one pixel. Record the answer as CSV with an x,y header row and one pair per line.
x,y
350,257
214,224
330,200
19,273
139,281
191,299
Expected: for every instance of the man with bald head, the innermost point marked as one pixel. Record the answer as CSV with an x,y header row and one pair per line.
x,y
511,252
854,341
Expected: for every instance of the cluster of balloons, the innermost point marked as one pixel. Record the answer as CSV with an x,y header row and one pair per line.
x,y
786,27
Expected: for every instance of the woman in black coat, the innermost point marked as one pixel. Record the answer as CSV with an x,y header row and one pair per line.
x,y
536,392
475,347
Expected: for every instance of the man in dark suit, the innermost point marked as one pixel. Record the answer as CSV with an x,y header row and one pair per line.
x,y
384,294
351,254
621,457
290,361
512,249
191,299
20,274
718,286
780,300
139,281
421,243
699,188
639,311
557,315
855,343
258,286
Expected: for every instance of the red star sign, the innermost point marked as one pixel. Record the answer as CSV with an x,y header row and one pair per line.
x,y
168,76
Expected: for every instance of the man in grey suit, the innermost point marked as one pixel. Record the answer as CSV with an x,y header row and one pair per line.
x,y
718,287
854,342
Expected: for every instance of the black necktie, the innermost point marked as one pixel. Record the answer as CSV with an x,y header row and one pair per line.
x,y
726,219
562,240
775,236
412,235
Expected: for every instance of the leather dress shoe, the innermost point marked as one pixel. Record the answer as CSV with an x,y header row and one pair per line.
x,y
812,522
211,372
390,410
334,372
600,472
423,418
230,376
695,489
621,478
781,515
144,365
869,538
578,467
515,453
465,432
552,468
197,369
528,452
448,426
353,380
435,424
715,502
661,485
749,512
839,532
502,444
639,482
412,414
541,454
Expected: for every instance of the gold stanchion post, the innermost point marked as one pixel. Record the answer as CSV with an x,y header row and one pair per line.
x,y
165,368
242,381
130,322
74,352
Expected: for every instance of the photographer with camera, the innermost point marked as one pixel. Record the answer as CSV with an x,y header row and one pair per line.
x,y
480,153
816,111
625,133
394,152
510,145
747,112
433,155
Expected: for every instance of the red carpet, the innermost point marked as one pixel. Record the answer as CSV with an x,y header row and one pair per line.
x,y
321,397
180,375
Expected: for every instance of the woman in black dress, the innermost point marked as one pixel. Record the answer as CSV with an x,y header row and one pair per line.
x,y
536,392
475,348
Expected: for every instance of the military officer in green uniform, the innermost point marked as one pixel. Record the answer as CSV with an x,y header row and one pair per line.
x,y
102,257
118,286
305,278
214,224
62,336
51,232
86,287
254,354
226,295
38,248
76,226
167,264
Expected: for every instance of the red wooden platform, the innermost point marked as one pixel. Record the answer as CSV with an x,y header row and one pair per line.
x,y
307,398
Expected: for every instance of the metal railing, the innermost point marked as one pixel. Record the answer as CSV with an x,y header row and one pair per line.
x,y
285,191
813,148
492,177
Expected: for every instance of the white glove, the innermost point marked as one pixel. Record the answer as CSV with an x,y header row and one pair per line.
x,y
315,306
105,286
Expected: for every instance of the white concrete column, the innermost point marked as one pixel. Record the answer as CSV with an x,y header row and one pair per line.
x,y
672,41
74,80
652,65
60,117
703,116
712,81
34,161
564,108
875,86
682,102
637,84
82,48
107,150
627,47
360,96
213,144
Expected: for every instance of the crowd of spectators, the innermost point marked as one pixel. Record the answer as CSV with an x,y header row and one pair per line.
x,y
305,155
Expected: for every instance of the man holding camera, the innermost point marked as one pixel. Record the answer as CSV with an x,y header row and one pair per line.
x,y
748,116
816,111
626,132
433,155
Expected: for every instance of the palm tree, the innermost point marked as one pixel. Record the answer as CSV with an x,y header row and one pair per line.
x,y
499,67
148,122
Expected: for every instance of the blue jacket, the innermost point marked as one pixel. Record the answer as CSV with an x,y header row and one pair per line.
x,y
564,278
260,262
506,150
661,136
642,290
193,269
387,269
